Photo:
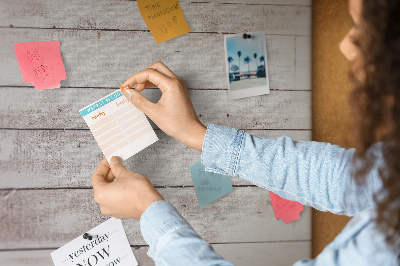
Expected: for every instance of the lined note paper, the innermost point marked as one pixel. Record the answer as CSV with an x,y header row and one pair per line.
x,y
41,63
164,18
118,126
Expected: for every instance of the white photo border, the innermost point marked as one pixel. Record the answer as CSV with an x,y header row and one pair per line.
x,y
247,92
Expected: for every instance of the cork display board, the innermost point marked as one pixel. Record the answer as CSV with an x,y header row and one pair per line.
x,y
331,89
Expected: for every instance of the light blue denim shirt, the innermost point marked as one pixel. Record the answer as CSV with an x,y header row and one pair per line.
x,y
312,173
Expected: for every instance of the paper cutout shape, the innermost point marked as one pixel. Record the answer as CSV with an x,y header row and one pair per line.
x,y
109,246
41,63
118,126
164,18
209,186
287,210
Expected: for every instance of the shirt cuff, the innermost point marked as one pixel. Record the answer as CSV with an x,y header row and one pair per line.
x,y
222,148
158,219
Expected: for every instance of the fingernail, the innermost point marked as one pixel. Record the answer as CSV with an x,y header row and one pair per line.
x,y
128,94
115,160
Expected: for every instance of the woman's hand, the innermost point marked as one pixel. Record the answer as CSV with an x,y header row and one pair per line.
x,y
127,197
173,113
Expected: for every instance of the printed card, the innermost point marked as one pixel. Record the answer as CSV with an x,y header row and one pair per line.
x,y
209,186
118,126
41,63
109,246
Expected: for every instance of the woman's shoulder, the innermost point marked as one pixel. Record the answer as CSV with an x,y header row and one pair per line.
x,y
366,242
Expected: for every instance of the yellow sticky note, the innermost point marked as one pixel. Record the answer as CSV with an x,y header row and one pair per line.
x,y
164,18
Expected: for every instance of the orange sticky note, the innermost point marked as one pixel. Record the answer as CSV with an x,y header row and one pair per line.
x,y
41,63
164,18
287,210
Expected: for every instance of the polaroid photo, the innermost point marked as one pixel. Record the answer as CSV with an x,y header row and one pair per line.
x,y
246,64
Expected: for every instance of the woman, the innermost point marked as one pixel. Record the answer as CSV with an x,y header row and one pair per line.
x,y
317,174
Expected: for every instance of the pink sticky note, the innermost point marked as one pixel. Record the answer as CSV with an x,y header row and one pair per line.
x,y
41,63
284,209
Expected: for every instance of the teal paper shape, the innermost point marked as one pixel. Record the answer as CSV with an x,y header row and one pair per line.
x,y
209,186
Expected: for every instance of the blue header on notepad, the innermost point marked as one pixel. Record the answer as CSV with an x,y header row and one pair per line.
x,y
100,103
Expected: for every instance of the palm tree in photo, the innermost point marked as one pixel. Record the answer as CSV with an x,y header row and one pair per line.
x,y
255,60
230,60
239,55
234,68
247,60
262,59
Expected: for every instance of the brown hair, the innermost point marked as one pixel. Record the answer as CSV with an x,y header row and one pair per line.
x,y
375,103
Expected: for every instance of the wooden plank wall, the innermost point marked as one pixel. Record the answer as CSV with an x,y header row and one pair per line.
x,y
47,153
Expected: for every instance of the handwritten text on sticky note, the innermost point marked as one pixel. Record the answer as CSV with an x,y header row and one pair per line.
x,y
209,186
164,18
41,63
287,210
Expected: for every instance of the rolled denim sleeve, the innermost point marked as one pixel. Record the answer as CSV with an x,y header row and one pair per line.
x,y
171,239
313,173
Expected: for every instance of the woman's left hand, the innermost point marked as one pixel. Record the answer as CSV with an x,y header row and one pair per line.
x,y
127,197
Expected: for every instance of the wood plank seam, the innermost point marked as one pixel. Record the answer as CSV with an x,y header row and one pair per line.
x,y
146,246
105,29
116,88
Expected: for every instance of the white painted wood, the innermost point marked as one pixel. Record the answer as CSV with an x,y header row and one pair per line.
x,y
261,254
263,2
108,58
303,63
124,15
43,257
48,158
259,2
50,218
255,254
58,108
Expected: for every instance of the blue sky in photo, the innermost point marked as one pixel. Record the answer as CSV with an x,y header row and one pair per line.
x,y
248,47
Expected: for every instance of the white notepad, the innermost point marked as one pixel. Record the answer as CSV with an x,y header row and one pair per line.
x,y
118,126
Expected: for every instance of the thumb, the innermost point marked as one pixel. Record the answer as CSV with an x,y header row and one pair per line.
x,y
138,100
117,167
100,174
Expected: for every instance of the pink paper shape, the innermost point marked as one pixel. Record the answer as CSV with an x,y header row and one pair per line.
x,y
41,63
284,209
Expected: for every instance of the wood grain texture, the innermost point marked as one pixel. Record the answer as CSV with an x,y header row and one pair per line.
x,y
331,89
47,158
303,63
107,58
259,2
255,254
261,254
207,17
59,109
51,218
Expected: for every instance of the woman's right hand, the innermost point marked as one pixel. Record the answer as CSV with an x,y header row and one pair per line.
x,y
173,113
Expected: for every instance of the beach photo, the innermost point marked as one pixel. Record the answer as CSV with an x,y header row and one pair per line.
x,y
246,64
